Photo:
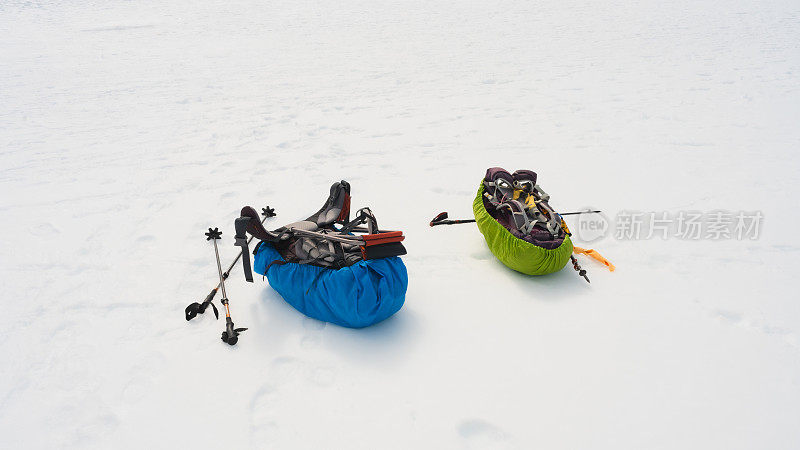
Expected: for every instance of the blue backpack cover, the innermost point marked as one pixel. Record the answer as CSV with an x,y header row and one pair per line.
x,y
356,296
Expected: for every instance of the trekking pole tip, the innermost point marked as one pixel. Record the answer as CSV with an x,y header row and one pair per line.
x,y
268,212
231,335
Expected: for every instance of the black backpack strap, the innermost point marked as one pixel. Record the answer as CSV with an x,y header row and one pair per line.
x,y
277,262
364,215
340,260
241,241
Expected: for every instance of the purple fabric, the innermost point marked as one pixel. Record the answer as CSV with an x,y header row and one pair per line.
x,y
494,172
525,175
501,194
538,236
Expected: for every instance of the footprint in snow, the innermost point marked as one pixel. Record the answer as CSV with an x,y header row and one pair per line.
x,y
729,316
313,324
738,320
481,433
145,239
481,256
44,229
311,341
322,376
142,376
135,389
287,370
262,418
312,338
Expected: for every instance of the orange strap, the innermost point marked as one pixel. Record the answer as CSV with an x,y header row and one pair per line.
x,y
593,254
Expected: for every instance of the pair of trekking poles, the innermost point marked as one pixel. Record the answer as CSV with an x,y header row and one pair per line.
x,y
231,334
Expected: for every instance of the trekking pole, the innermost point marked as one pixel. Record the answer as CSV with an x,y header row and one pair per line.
x,y
578,268
231,335
440,218
578,212
199,308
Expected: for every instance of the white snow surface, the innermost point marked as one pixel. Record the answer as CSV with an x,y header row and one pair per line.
x,y
128,128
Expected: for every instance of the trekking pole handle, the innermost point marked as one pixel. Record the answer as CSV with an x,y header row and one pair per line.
x,y
441,219
210,296
452,222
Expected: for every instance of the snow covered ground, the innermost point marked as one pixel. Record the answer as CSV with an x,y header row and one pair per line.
x,y
128,128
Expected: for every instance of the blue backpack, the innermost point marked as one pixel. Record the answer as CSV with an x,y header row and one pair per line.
x,y
329,267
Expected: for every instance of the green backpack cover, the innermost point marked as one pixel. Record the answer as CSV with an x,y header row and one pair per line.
x,y
515,253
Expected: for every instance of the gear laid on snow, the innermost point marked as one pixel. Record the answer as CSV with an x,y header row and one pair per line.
x,y
329,273
195,308
521,229
231,334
